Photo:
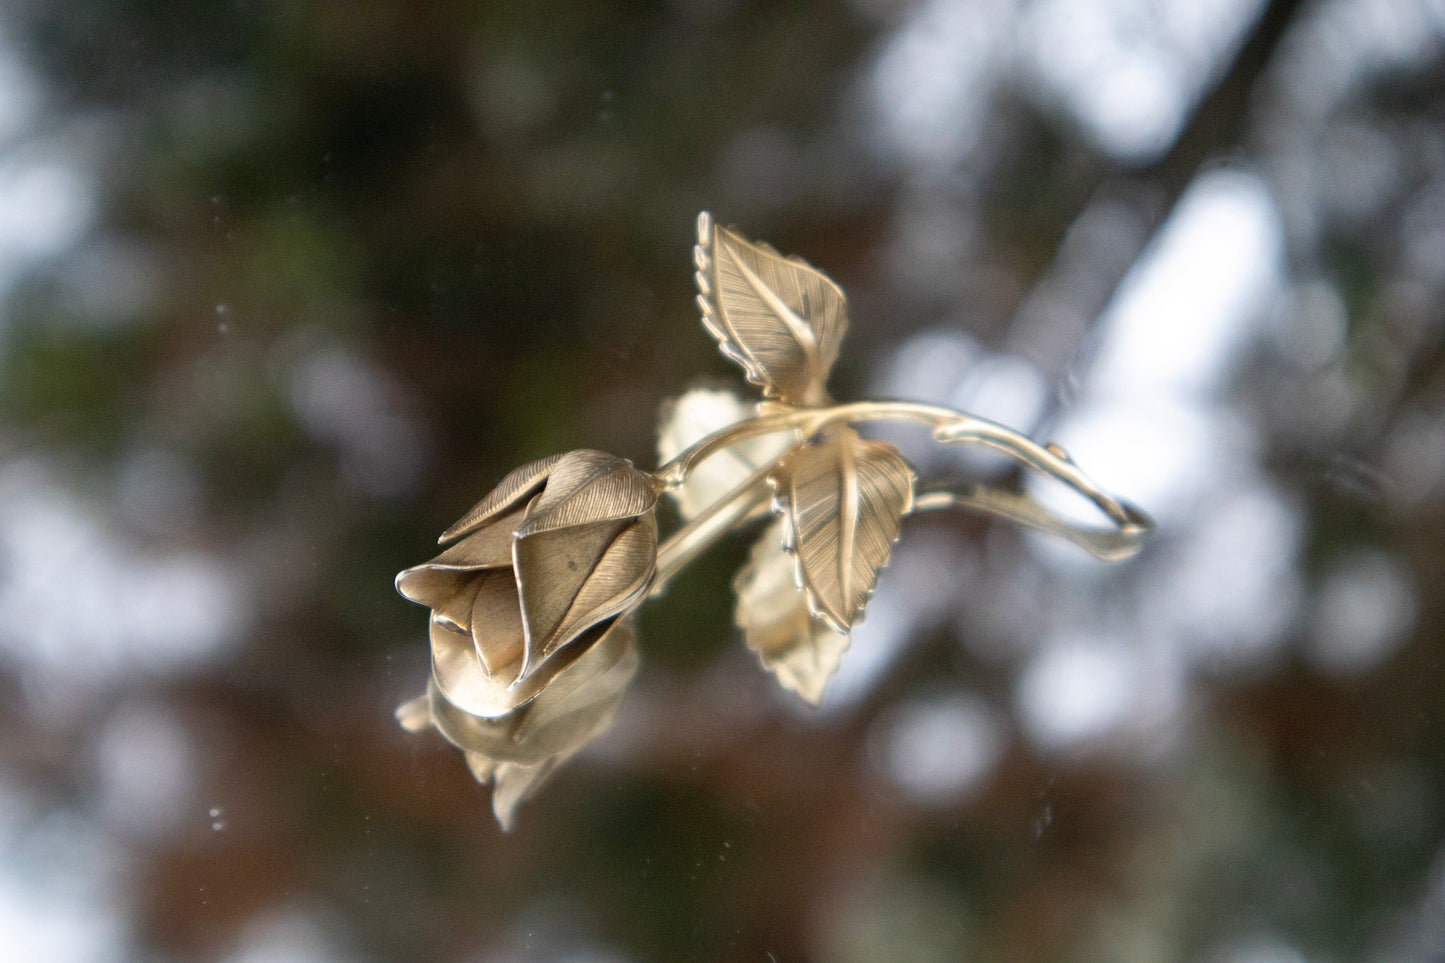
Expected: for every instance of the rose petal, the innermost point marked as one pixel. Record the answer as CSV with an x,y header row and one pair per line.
x,y
495,621
433,583
617,582
431,586
487,546
575,707
457,610
551,569
587,487
459,674
516,486
606,663
580,702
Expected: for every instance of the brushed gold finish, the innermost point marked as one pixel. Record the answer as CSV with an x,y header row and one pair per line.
x,y
842,500
532,597
558,548
780,318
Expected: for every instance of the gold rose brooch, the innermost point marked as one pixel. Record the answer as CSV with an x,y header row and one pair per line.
x,y
532,637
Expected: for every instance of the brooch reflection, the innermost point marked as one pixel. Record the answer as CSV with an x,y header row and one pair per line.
x,y
532,637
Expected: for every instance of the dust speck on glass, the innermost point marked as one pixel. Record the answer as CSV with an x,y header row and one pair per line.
x,y
533,640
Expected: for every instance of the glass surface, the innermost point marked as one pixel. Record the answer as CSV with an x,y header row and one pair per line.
x,y
285,287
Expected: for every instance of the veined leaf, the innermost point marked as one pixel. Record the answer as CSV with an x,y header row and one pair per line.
x,y
802,651
842,500
780,318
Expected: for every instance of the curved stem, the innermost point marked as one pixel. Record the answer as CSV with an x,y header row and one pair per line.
x,y
685,544
1049,459
1111,545
673,474
948,426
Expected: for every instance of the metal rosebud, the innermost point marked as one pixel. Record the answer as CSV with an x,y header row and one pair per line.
x,y
517,752
536,575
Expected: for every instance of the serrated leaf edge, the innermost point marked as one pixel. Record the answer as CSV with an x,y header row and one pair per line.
x,y
702,259
778,505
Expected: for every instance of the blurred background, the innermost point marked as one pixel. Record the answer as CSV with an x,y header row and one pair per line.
x,y
286,286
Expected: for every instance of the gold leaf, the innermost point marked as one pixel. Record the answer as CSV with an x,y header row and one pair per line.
x,y
803,652
780,318
842,500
